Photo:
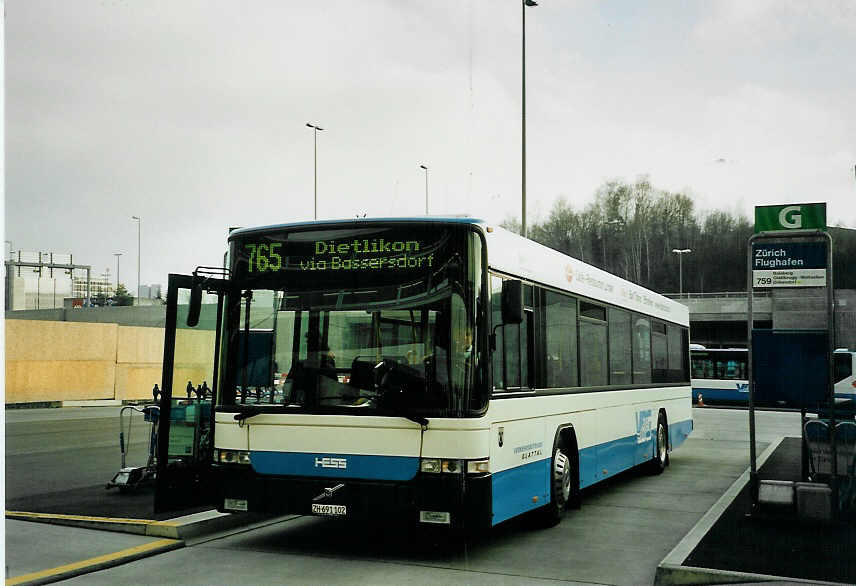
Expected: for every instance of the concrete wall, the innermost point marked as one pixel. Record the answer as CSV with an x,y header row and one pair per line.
x,y
147,315
56,361
63,361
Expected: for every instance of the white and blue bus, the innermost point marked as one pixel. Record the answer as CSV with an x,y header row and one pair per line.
x,y
844,373
720,375
435,369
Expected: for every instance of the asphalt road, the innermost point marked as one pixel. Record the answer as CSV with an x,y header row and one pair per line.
x,y
625,527
49,450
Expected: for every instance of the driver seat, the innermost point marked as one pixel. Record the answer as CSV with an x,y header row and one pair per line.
x,y
362,374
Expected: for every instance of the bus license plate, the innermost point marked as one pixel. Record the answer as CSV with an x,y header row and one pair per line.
x,y
334,510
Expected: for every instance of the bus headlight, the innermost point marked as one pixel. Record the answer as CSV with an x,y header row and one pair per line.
x,y
478,466
430,465
231,456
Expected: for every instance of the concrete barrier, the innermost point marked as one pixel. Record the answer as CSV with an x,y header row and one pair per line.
x,y
50,361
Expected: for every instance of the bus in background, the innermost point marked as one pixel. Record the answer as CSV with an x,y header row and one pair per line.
x,y
845,373
441,370
719,375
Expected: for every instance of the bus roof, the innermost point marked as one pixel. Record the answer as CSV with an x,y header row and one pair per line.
x,y
351,222
511,253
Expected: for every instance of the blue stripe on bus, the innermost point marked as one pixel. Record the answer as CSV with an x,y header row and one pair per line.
x,y
513,490
739,394
330,465
678,432
609,458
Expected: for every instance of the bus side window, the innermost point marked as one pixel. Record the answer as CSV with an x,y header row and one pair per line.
x,y
560,319
641,349
514,342
731,369
496,319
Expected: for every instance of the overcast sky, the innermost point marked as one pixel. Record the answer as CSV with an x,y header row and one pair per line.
x,y
192,115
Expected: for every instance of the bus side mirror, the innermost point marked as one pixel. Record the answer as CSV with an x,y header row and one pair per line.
x,y
512,302
195,306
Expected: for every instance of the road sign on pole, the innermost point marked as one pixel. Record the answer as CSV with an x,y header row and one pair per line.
x,y
804,216
790,249
789,264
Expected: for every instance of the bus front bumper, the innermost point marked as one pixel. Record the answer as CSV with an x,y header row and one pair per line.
x,y
444,499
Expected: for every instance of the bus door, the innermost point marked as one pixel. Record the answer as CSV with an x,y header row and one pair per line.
x,y
194,310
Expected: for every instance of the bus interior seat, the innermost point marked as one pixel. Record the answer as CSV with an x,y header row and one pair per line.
x,y
845,449
362,374
845,444
817,438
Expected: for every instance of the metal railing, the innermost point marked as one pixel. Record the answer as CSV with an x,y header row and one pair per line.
x,y
715,295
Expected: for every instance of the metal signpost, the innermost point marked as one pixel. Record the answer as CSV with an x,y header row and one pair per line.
x,y
790,250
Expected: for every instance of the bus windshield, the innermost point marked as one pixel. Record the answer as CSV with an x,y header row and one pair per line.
x,y
380,320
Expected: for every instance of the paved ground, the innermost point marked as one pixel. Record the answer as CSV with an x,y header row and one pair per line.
x,y
49,450
36,551
774,541
619,536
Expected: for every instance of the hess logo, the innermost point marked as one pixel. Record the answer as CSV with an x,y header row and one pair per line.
x,y
339,463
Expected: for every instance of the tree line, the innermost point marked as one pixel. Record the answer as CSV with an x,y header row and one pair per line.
x,y
631,230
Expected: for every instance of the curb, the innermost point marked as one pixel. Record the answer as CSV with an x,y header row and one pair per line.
x,y
95,564
81,403
93,403
35,405
148,527
671,571
670,574
186,527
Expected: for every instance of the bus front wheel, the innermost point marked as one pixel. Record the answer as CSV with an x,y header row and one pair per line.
x,y
562,476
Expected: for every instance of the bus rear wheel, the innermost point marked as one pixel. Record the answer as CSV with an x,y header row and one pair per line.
x,y
661,449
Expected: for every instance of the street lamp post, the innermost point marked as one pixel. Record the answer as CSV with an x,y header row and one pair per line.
x,y
525,3
426,187
117,255
139,229
315,129
681,252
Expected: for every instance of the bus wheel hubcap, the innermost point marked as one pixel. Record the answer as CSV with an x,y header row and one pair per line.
x,y
562,475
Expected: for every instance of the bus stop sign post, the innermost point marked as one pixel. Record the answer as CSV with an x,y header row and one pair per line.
x,y
790,250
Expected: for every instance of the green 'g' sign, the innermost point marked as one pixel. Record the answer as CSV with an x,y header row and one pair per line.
x,y
782,218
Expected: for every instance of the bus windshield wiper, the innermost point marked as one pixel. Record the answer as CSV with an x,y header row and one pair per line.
x,y
401,412
394,381
246,412
422,421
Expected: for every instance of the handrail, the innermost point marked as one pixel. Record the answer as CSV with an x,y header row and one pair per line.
x,y
722,294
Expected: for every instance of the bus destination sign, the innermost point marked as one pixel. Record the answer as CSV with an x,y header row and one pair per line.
x,y
788,264
375,254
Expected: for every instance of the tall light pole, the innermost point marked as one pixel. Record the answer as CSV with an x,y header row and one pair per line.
x,y
117,255
525,3
681,254
315,129
426,187
139,229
